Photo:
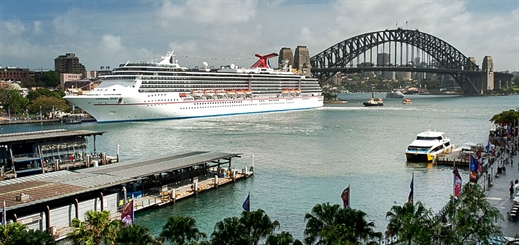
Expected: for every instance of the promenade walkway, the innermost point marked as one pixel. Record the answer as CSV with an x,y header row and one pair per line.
x,y
499,196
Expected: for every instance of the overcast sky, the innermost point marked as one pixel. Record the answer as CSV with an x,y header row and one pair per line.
x,y
110,32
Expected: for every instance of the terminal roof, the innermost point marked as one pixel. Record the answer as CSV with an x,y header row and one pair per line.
x,y
60,184
44,135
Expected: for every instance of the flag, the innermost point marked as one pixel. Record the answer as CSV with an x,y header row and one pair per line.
x,y
127,213
246,204
4,215
346,197
411,194
474,166
487,148
457,182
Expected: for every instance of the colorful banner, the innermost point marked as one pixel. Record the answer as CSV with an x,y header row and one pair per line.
x,y
346,197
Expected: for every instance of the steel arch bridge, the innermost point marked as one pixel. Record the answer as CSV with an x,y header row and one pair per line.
x,y
449,59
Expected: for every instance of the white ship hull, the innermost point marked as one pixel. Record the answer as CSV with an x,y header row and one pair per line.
x,y
165,90
112,111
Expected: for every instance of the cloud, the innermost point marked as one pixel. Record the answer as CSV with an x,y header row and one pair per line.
x,y
37,27
101,34
211,13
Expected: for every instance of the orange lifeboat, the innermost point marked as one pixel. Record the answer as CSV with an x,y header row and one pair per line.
x,y
182,95
248,91
231,91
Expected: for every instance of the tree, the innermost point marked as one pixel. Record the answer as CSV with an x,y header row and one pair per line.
x,y
96,228
331,224
229,231
180,229
505,118
16,233
46,104
34,94
412,223
471,218
258,224
135,235
50,79
285,238
12,100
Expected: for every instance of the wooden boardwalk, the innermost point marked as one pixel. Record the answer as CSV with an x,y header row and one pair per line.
x,y
451,158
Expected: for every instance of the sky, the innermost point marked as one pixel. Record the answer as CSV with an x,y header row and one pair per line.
x,y
220,32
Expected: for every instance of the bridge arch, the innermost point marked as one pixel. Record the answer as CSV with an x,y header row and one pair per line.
x,y
330,61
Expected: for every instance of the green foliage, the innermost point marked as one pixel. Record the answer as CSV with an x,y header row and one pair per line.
x,y
16,234
505,118
471,218
329,96
34,94
12,99
135,235
47,104
284,238
412,223
96,228
331,224
180,229
50,79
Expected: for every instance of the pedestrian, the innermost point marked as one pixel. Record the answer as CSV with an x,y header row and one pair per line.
x,y
511,189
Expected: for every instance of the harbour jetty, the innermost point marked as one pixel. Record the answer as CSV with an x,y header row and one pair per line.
x,y
36,152
51,201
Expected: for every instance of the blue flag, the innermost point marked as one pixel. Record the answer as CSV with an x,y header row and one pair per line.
x,y
246,204
488,147
473,164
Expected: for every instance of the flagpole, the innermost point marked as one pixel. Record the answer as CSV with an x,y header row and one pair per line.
x,y
454,178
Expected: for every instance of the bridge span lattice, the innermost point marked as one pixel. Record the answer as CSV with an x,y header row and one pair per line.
x,y
447,59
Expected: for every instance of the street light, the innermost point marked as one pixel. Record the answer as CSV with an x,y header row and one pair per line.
x,y
40,113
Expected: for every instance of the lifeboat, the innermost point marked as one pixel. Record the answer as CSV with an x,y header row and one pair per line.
x,y
182,95
209,92
197,93
239,91
248,91
220,92
285,91
230,91
298,91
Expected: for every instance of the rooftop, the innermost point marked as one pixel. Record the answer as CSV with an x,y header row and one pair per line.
x,y
55,185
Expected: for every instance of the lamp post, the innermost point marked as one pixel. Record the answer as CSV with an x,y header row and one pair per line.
x,y
40,114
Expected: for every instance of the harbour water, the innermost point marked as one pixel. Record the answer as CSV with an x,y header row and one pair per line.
x,y
303,158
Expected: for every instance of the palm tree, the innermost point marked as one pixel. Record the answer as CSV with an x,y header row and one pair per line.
x,y
16,233
180,229
331,224
96,228
319,221
258,224
412,223
285,238
135,235
230,231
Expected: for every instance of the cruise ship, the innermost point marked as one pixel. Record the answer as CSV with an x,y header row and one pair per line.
x,y
165,90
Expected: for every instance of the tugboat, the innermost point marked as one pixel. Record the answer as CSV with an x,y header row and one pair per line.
x,y
373,102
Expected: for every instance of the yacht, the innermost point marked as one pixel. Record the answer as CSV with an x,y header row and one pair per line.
x,y
427,146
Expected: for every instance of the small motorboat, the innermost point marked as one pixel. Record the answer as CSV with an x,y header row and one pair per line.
x,y
407,101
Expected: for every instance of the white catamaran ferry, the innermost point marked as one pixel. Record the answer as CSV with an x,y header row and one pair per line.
x,y
427,146
165,90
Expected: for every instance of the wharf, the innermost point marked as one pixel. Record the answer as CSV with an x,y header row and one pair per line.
x,y
36,152
50,201
452,158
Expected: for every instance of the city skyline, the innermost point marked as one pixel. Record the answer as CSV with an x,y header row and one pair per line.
x,y
108,33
